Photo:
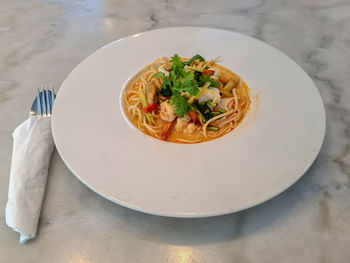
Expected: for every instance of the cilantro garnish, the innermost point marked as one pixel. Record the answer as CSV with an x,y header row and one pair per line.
x,y
190,85
181,105
177,66
159,75
206,78
180,81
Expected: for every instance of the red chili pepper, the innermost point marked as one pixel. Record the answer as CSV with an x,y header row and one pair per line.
x,y
215,109
193,115
207,71
150,107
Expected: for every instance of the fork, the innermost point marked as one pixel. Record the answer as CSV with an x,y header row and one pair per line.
x,y
43,103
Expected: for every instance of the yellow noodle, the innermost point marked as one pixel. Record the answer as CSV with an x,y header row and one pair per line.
x,y
213,119
226,122
186,141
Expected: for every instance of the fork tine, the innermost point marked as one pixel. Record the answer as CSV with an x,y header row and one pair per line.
x,y
38,104
48,103
52,95
43,101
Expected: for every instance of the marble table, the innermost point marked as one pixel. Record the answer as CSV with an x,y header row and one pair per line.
x,y
42,41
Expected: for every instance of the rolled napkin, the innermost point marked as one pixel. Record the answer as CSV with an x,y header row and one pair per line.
x,y
32,149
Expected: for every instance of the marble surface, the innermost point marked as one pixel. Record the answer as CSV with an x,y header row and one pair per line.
x,y
42,41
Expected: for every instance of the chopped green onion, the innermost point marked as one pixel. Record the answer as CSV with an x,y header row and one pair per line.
x,y
212,104
142,98
215,113
194,108
149,118
213,128
221,110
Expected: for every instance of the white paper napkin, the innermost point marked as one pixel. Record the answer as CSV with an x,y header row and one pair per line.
x,y
32,149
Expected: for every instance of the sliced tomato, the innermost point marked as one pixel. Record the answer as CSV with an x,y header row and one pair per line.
x,y
207,71
150,107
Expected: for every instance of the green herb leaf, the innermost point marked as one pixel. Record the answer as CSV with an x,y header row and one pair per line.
x,y
190,85
176,60
204,110
177,66
181,80
159,75
197,76
166,87
206,78
181,105
166,92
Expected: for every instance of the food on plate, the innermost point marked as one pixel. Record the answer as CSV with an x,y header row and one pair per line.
x,y
185,100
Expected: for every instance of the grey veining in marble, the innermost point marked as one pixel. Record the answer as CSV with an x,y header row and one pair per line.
x,y
42,41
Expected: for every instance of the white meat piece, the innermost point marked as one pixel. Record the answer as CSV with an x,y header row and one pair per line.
x,y
211,94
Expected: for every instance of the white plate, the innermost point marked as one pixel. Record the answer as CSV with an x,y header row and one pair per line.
x,y
270,150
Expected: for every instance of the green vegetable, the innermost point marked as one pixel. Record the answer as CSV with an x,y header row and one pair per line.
x,y
194,108
149,118
179,80
181,105
194,58
178,66
197,75
142,98
201,91
215,113
166,90
212,128
159,75
207,78
190,85
221,110
204,110
184,84
182,80
212,104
